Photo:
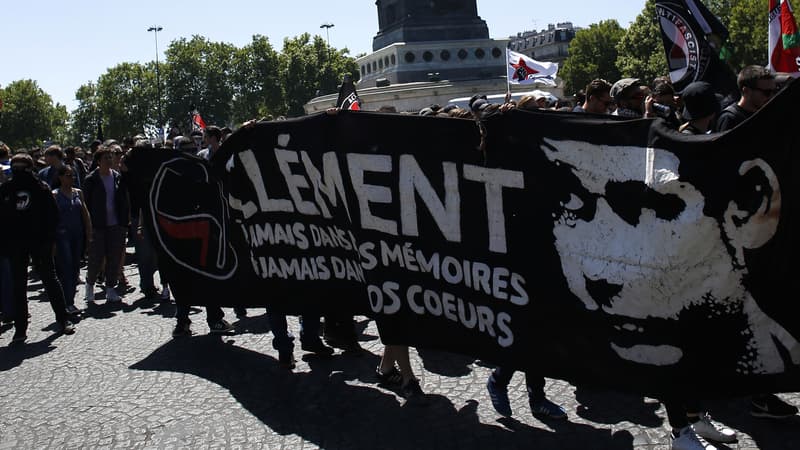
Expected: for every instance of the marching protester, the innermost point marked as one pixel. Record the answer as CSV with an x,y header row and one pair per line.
x,y
30,215
700,108
109,209
73,233
756,85
54,157
597,98
629,95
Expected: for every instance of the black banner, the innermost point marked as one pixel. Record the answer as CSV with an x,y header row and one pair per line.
x,y
586,248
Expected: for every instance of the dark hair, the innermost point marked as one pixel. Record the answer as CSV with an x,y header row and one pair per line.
x,y
750,76
63,169
597,87
663,86
4,150
54,150
214,132
22,158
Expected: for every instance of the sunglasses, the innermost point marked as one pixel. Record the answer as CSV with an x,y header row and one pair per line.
x,y
766,92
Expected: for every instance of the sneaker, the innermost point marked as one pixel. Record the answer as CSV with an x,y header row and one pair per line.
x,y
72,309
687,439
221,327
316,346
771,406
286,360
412,392
390,378
89,293
19,336
165,293
182,329
67,327
499,397
112,296
547,409
713,431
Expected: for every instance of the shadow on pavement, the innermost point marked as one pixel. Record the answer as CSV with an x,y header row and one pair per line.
x,y
767,433
321,407
445,363
610,407
13,355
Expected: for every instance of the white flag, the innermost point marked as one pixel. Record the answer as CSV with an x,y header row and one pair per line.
x,y
525,70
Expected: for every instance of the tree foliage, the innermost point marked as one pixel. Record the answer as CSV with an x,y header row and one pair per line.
x,y
592,54
641,51
125,97
310,68
256,79
29,117
198,77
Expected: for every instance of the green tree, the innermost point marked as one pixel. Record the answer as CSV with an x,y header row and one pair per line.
x,y
256,81
29,116
197,74
592,54
747,26
310,68
83,120
641,50
125,97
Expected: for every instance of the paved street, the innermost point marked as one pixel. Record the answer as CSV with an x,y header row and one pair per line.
x,y
122,381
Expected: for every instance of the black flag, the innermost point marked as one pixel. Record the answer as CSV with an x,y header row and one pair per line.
x,y
100,130
348,97
693,42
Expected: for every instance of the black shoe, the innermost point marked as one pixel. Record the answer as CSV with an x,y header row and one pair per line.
x,y
19,336
73,310
67,327
182,329
151,293
241,313
221,327
412,392
771,406
316,346
286,360
390,378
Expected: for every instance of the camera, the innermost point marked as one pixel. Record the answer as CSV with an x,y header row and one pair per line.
x,y
662,110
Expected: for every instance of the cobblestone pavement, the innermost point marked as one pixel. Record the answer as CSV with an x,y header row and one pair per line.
x,y
122,381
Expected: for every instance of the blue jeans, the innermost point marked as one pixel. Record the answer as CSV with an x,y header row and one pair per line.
x,y
69,249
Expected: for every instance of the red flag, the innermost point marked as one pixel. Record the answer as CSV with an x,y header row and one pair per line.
x,y
197,122
784,40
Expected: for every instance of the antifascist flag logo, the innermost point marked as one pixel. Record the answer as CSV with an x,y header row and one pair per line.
x,y
190,218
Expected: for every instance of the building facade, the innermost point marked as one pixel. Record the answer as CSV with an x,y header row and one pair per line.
x,y
551,44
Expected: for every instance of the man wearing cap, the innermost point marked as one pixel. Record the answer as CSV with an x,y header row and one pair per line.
x,y
700,108
629,95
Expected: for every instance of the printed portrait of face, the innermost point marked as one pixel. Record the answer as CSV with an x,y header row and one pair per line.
x,y
636,247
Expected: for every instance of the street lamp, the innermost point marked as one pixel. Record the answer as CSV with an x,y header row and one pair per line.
x,y
327,27
155,29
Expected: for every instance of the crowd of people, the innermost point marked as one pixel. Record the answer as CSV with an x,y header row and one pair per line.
x,y
63,208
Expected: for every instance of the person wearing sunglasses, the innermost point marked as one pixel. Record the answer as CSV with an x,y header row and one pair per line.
x,y
598,98
757,85
629,95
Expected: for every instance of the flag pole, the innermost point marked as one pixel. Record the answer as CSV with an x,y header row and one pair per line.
x,y
508,81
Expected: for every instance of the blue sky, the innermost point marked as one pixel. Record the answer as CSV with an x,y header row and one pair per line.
x,y
63,44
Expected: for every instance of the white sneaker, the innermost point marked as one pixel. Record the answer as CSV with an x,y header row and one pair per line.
x,y
112,296
689,440
713,431
89,293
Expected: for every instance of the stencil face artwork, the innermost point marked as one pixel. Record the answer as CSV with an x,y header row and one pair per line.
x,y
635,245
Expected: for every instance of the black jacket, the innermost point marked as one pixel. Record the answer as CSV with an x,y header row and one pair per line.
x,y
95,194
28,213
